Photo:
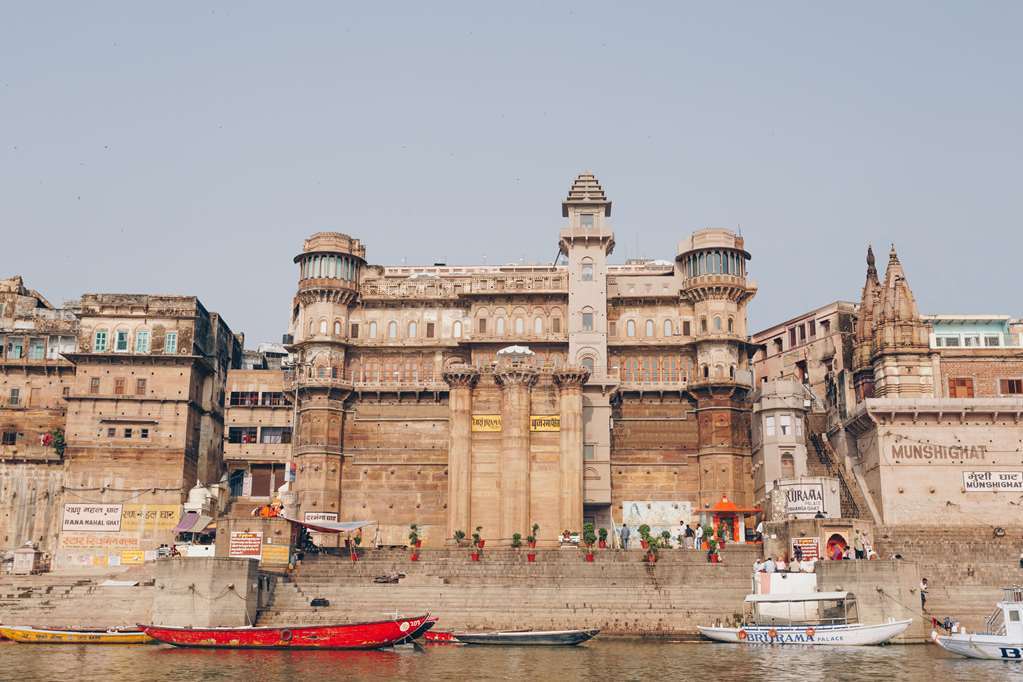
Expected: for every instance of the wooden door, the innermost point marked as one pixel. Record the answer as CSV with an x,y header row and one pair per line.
x,y
261,475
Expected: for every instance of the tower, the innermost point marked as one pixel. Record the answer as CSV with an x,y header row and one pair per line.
x,y
328,286
863,368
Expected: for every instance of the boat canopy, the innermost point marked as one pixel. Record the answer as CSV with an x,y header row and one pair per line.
x,y
797,596
331,526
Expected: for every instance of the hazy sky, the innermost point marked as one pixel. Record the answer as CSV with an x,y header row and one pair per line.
x,y
165,148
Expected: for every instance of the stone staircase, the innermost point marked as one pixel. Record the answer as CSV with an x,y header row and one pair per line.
x,y
826,463
617,593
72,602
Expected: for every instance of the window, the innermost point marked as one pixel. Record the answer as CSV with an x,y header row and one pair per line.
x,y
355,330
788,465
520,326
413,330
667,328
792,337
992,340
241,434
111,432
813,329
274,399
275,435
785,424
731,325
456,330
142,341
127,432
1010,386
588,363
630,328
140,387
1013,616
36,349
122,341
825,327
337,327
372,330
556,325
323,327
960,387
119,386
612,328
94,385
798,426
392,330
686,328
769,426
779,345
143,433
430,330
15,397
587,270
483,325
66,391
587,322
538,326
99,342
170,342
971,340
717,324
244,398
586,220
588,451
500,326
10,438
649,330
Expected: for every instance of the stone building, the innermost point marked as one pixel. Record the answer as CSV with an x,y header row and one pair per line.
x,y
34,380
501,396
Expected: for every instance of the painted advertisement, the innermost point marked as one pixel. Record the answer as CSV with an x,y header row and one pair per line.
x,y
486,423
92,518
132,557
810,547
989,481
97,541
149,517
276,554
803,498
658,514
245,545
545,422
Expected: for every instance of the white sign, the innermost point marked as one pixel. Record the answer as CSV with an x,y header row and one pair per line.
x,y
320,517
803,498
989,481
92,518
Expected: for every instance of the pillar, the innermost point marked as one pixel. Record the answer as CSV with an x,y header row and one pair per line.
x,y
461,379
515,380
570,382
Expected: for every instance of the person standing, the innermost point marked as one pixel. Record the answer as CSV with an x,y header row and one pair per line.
x,y
699,538
691,540
923,595
760,531
625,535
858,546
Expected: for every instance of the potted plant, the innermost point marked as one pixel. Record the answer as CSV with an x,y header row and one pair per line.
x,y
566,536
602,542
413,536
531,538
665,539
589,537
708,533
644,536
460,538
651,551
353,549
712,551
477,539
516,540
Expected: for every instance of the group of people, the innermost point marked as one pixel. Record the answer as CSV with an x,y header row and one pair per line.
x,y
688,536
860,549
779,565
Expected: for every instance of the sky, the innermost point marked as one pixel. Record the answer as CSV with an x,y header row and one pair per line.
x,y
188,148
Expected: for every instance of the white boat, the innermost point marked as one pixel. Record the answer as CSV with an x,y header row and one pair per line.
x,y
1004,639
827,618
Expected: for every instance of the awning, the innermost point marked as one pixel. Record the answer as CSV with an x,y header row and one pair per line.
x,y
804,596
193,522
331,526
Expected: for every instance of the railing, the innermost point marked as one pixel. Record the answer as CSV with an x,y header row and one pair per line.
x,y
555,282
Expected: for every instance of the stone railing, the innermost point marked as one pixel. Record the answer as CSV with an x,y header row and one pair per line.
x,y
555,282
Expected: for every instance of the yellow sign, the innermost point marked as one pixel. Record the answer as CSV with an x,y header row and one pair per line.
x,y
149,517
135,556
545,422
487,423
275,554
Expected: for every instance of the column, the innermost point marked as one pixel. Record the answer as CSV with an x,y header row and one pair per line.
x,y
516,380
570,382
461,379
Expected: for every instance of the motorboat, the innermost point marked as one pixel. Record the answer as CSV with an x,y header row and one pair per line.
x,y
31,635
811,618
368,635
1003,640
527,637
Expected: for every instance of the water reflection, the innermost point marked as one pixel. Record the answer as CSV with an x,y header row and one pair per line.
x,y
606,659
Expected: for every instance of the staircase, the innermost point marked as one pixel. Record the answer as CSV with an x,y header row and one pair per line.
x,y
617,593
71,602
827,464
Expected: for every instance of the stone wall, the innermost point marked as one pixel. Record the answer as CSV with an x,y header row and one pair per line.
x,y
206,592
885,590
29,504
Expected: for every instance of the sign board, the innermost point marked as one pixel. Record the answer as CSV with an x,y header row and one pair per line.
x,y
245,545
932,452
545,422
131,557
803,498
150,517
276,554
486,423
92,518
320,517
990,481
811,548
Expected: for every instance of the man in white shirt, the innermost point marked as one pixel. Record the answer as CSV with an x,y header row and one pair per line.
x,y
760,531
699,538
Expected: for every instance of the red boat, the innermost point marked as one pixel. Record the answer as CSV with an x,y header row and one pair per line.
x,y
372,635
441,637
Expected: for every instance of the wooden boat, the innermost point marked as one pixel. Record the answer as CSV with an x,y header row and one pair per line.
x,y
527,637
30,635
1003,640
369,635
421,631
812,618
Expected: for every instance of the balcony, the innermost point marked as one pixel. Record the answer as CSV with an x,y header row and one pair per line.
x,y
547,283
329,378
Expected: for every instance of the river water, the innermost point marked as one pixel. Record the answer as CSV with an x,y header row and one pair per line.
x,y
608,659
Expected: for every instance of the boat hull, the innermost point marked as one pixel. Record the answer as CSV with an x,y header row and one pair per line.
x,y
989,647
830,635
27,635
547,638
371,635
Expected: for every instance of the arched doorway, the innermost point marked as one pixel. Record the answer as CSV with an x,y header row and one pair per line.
x,y
835,540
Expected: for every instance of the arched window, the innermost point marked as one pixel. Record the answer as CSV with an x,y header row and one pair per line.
x,y
706,372
667,328
337,327
121,341
412,329
731,325
99,342
500,326
703,325
788,466
630,328
587,319
456,330
312,327
588,363
717,324
538,326
372,330
323,327
520,326
392,330
587,270
649,327
142,341
731,372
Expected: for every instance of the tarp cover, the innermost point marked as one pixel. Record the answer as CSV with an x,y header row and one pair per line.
x,y
332,526
186,522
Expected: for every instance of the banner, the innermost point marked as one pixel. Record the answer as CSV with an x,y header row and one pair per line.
x,y
811,548
92,518
988,481
545,422
486,423
132,557
803,498
276,554
142,517
245,545
319,517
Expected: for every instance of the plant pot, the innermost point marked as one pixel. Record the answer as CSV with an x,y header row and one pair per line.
x,y
475,556
602,544
714,558
532,545
644,544
705,545
531,557
415,556
419,543
589,556
651,558
481,543
355,555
